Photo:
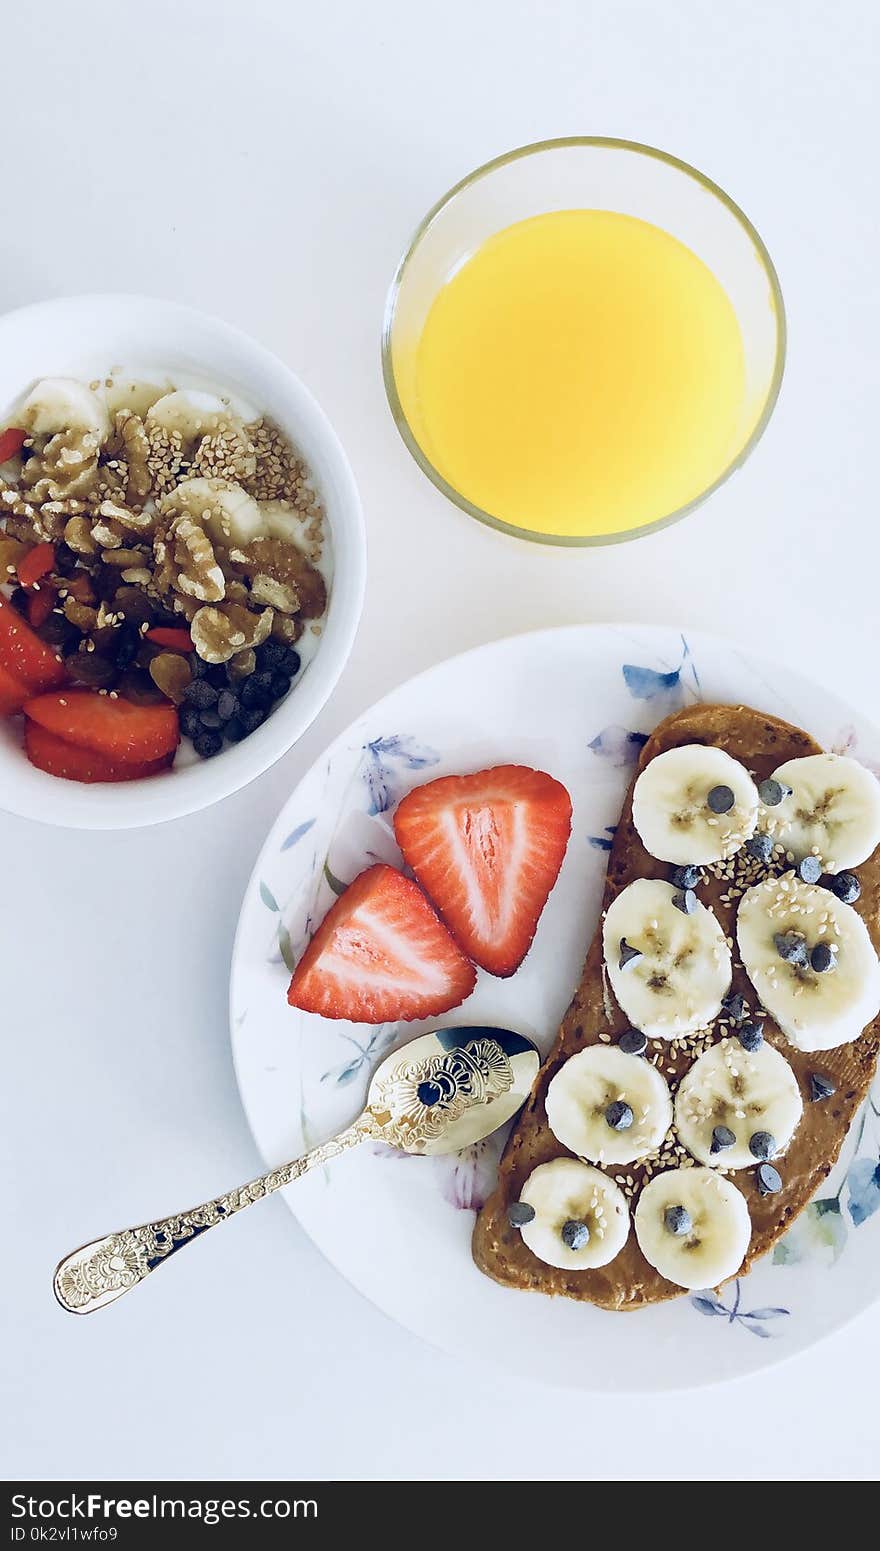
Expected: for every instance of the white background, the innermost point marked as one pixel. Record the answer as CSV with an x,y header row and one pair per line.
x,y
267,161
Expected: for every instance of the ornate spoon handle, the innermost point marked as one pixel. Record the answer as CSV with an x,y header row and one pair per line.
x,y
102,1271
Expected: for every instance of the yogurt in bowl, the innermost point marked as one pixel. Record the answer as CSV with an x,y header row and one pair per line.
x,y
185,507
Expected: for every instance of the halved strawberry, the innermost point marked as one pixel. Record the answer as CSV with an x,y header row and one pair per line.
x,y
487,848
380,955
58,758
12,693
24,655
124,733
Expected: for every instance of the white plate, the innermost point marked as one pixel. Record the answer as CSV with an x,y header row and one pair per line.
x,y
576,702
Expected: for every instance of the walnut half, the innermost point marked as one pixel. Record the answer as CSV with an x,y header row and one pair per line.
x,y
186,562
221,633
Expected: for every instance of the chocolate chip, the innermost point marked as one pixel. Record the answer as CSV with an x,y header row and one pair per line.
x,y
685,901
762,1144
791,947
633,1043
686,877
721,799
750,1036
822,958
734,1005
760,848
627,954
769,1180
519,1213
809,869
677,1220
575,1234
847,887
619,1115
773,792
821,1087
722,1138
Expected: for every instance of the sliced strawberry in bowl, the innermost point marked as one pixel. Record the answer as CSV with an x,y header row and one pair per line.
x,y
124,733
487,848
13,693
381,955
50,753
24,655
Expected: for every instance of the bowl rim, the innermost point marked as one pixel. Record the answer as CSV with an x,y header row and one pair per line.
x,y
162,799
537,147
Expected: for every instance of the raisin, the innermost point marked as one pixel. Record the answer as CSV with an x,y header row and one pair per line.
x,y
200,694
207,744
93,669
126,646
190,721
257,690
171,673
280,685
137,687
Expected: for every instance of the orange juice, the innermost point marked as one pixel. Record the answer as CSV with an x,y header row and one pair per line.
x,y
581,373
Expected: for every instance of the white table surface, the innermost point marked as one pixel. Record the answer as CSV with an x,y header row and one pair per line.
x,y
267,162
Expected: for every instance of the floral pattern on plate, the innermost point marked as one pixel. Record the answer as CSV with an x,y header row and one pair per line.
x,y
580,702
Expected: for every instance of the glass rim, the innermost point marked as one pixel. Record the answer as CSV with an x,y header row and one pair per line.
x,y
578,541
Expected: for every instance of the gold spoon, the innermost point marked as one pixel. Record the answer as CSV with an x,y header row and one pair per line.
x,y
437,1094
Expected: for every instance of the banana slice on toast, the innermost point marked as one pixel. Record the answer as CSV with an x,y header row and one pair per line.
x,y
668,963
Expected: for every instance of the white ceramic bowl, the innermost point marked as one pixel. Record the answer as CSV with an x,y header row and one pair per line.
x,y
84,336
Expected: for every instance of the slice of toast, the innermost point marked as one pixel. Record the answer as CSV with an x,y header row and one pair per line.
x,y
761,743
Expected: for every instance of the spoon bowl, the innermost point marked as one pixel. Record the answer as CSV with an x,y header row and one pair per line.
x,y
438,1093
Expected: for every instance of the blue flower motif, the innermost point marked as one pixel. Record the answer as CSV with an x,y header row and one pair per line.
x,y
617,744
378,1042
385,760
752,1320
297,834
651,684
863,1180
818,1234
603,842
647,683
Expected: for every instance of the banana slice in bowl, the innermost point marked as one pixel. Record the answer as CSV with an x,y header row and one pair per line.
x,y
735,1108
668,963
693,1226
188,415
230,515
824,804
811,961
572,1216
694,805
63,404
608,1106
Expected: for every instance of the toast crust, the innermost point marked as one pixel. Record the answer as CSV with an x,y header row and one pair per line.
x,y
762,743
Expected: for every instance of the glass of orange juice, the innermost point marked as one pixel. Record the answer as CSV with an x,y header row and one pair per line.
x,y
583,340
